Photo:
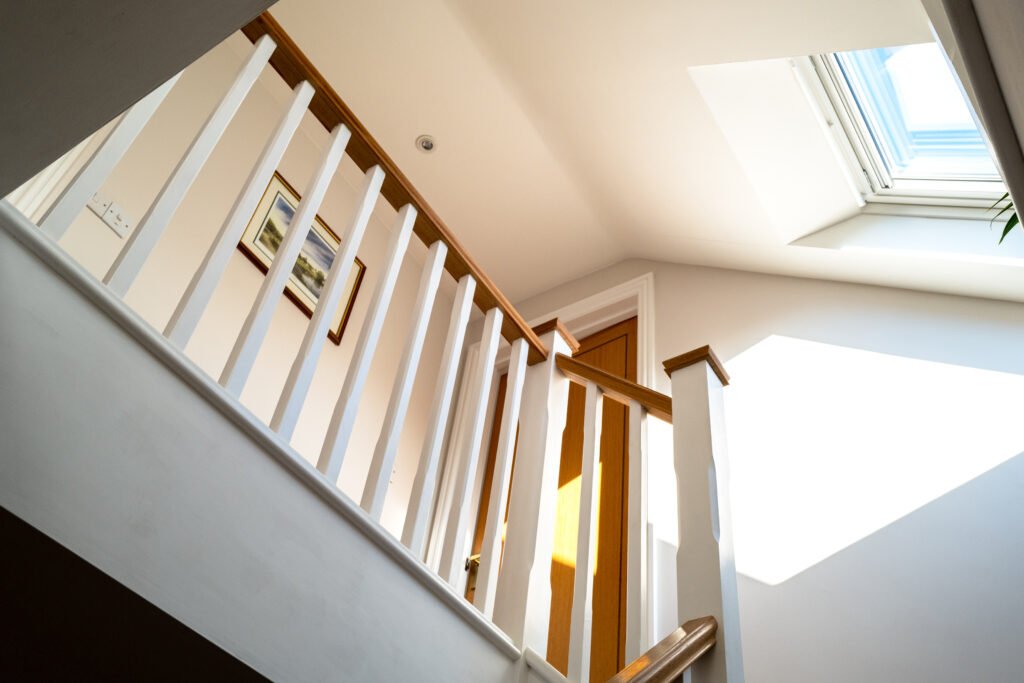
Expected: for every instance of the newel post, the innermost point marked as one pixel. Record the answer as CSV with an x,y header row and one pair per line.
x,y
706,568
523,602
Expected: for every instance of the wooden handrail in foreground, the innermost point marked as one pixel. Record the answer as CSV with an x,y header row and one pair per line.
x,y
667,660
616,388
327,106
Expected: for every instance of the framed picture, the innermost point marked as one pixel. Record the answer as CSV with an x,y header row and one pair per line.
x,y
263,236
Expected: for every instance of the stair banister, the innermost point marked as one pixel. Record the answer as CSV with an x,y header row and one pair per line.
x,y
421,500
706,569
300,376
501,482
257,323
523,604
582,622
328,107
386,449
456,531
204,282
147,233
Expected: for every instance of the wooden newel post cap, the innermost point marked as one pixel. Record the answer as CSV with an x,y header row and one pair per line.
x,y
556,324
704,354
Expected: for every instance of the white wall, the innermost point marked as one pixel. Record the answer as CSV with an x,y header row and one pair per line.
x,y
933,596
155,293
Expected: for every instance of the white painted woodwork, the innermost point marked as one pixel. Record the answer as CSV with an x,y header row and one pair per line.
x,y
343,419
490,549
386,450
522,607
581,625
452,551
300,376
638,638
451,457
32,195
254,329
417,516
94,173
205,512
706,567
145,236
200,289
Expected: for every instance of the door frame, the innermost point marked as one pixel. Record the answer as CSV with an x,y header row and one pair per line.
x,y
596,312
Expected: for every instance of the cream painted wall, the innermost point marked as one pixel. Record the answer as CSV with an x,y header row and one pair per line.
x,y
155,293
896,605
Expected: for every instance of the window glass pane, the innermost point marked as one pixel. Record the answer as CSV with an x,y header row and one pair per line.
x,y
916,113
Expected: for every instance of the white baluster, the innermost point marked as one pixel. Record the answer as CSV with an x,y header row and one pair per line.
x,y
243,355
637,636
417,517
581,626
490,549
343,419
145,236
452,457
386,450
300,376
522,608
94,173
33,194
199,291
452,559
706,568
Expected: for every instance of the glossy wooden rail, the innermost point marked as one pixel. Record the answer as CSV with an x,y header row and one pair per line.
x,y
616,388
667,660
327,106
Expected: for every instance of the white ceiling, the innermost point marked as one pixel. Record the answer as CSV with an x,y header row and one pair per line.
x,y
573,134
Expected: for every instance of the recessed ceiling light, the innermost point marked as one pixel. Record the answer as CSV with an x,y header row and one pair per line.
x,y
425,143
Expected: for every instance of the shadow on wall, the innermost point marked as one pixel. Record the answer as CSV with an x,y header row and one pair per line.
x,y
935,596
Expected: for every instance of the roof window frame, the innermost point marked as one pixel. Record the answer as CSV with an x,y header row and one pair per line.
x,y
867,161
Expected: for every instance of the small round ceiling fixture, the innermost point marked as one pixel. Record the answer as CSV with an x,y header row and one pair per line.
x,y
425,143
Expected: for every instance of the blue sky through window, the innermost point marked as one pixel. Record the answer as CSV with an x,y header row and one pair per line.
x,y
916,113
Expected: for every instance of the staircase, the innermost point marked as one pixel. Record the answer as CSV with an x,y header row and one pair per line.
x,y
127,444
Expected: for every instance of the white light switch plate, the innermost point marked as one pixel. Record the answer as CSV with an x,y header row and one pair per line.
x,y
119,221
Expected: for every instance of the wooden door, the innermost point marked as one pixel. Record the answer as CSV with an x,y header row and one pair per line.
x,y
612,350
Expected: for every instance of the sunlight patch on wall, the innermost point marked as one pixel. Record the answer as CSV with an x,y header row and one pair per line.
x,y
829,444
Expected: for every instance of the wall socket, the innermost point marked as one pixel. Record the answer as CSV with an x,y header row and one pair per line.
x,y
112,214
118,220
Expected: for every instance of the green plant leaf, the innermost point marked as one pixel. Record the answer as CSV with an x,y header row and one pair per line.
x,y
1010,225
1006,195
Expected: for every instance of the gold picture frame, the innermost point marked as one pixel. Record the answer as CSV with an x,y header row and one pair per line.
x,y
263,235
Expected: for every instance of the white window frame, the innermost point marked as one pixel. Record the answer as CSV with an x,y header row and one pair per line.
x,y
866,160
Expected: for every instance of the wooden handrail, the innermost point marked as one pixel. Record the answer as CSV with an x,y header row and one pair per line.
x,y
622,390
705,354
327,106
667,660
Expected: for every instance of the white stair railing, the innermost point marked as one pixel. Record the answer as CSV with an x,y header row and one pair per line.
x,y
422,498
254,329
145,236
513,587
200,290
386,450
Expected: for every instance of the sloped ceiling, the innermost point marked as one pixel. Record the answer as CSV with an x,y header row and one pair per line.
x,y
572,135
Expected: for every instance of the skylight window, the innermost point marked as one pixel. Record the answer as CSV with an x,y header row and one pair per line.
x,y
909,123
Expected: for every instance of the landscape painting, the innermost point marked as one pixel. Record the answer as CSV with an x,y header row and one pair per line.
x,y
263,236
